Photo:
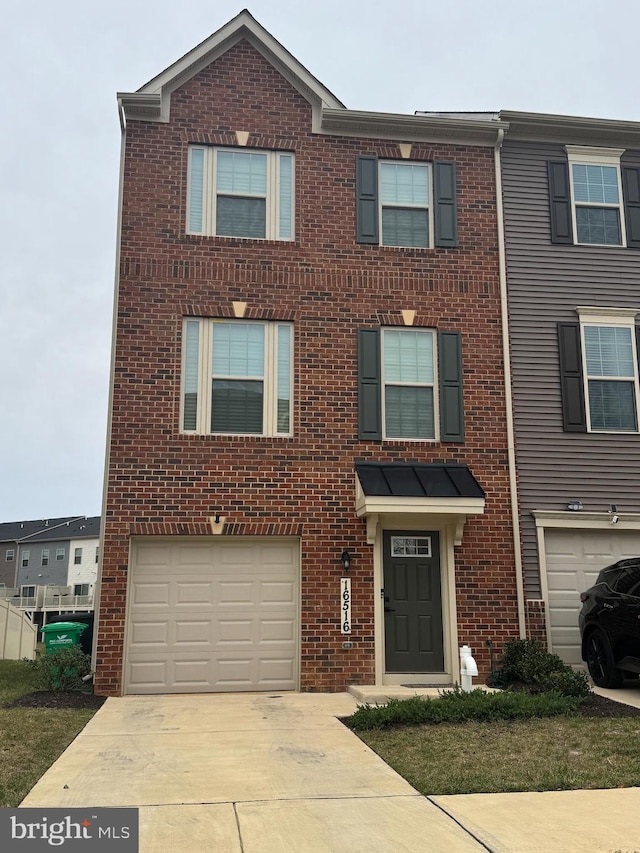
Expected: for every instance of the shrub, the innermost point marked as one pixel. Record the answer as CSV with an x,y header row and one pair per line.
x,y
62,670
527,662
456,706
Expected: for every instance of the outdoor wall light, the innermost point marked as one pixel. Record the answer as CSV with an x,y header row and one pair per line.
x,y
575,506
346,559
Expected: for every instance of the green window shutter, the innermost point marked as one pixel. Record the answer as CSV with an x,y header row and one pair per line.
x,y
367,200
560,201
444,189
369,408
574,415
450,380
631,196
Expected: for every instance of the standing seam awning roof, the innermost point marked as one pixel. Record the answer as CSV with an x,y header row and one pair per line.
x,y
428,480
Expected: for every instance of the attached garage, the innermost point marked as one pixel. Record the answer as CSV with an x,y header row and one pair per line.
x,y
212,615
573,559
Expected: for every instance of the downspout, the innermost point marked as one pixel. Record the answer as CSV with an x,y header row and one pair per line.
x,y
105,482
511,449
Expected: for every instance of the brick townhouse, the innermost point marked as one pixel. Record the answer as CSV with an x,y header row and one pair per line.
x,y
309,481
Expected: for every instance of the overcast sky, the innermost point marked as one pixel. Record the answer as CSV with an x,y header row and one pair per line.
x,y
62,63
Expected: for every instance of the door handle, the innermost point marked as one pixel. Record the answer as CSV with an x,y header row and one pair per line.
x,y
389,610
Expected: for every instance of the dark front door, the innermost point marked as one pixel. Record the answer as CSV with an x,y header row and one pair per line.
x,y
412,602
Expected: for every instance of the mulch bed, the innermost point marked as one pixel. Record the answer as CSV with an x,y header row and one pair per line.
x,y
599,706
53,699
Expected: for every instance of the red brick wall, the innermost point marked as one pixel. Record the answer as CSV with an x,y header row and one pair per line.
x,y
329,286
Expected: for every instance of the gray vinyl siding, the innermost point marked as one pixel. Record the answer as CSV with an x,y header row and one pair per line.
x,y
8,568
546,283
35,573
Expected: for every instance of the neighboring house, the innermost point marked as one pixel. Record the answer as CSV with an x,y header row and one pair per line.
x,y
15,537
308,481
51,553
572,226
83,562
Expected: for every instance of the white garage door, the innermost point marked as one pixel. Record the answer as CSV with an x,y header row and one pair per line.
x,y
574,558
212,615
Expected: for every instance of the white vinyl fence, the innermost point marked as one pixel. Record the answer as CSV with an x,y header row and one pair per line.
x,y
18,634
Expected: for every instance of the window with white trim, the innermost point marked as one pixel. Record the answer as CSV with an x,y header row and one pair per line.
x,y
410,546
236,192
25,559
610,367
409,381
77,557
59,554
405,206
81,589
596,195
44,560
237,377
9,555
28,591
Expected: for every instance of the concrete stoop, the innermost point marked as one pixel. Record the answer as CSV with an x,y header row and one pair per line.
x,y
372,694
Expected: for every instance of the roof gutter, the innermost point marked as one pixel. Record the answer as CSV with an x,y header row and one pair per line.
x,y
511,449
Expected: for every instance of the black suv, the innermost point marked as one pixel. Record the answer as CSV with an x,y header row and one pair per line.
x,y
610,624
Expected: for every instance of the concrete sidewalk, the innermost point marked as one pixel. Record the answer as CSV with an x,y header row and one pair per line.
x,y
256,773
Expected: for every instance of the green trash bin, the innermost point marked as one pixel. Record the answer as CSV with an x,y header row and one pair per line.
x,y
61,635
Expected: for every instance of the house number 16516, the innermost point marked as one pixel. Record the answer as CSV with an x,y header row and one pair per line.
x,y
345,605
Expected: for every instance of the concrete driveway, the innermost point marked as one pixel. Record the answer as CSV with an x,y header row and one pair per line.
x,y
246,773
256,773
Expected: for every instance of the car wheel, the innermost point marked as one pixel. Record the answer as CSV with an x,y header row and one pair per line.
x,y
600,660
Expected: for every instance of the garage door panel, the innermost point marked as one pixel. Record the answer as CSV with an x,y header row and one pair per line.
x,y
207,617
574,558
277,630
232,631
192,633
149,674
151,593
149,633
277,592
235,592
191,672
192,592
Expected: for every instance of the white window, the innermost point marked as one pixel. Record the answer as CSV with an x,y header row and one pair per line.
x,y
25,559
97,553
596,195
27,591
59,554
236,192
10,554
610,368
405,204
44,561
409,380
410,546
237,377
77,557
81,589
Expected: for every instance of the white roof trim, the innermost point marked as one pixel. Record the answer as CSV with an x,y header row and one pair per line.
x,y
367,504
243,26
586,520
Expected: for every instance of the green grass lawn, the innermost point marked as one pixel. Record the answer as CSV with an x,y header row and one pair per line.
x,y
558,753
30,738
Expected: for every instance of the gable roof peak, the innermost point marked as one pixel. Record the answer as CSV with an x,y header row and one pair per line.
x,y
153,100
